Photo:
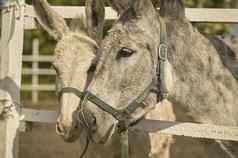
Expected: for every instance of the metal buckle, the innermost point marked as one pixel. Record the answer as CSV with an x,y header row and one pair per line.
x,y
163,49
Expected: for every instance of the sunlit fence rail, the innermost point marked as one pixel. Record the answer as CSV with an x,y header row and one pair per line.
x,y
193,14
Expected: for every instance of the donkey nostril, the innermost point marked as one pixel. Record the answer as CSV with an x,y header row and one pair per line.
x,y
76,126
94,124
94,121
59,128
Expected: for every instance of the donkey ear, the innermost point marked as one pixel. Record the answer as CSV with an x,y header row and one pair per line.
x,y
95,14
119,5
172,8
142,7
51,21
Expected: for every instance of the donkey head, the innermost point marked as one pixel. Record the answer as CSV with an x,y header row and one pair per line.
x,y
127,65
74,54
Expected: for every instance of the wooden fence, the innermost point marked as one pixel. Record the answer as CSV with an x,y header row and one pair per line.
x,y
35,87
16,19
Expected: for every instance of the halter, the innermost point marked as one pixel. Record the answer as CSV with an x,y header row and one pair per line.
x,y
123,116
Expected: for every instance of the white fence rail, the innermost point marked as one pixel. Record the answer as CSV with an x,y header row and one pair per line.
x,y
193,14
194,130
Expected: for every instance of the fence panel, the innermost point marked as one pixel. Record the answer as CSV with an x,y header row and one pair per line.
x,y
193,130
35,71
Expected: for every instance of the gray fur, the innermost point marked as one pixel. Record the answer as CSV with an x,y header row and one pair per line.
x,y
53,23
95,13
120,6
204,80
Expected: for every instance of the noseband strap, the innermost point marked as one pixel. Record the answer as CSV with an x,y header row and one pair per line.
x,y
120,115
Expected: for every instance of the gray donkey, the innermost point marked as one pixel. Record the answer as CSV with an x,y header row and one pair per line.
x,y
118,68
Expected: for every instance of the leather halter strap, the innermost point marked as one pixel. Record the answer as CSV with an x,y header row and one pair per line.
x,y
120,115
163,61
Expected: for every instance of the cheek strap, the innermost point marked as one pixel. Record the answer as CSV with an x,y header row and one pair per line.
x,y
164,69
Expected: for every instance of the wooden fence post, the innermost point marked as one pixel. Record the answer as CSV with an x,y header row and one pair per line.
x,y
11,47
35,69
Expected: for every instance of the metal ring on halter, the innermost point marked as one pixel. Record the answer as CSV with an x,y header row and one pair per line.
x,y
163,49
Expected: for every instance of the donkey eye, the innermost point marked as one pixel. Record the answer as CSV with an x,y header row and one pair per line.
x,y
125,52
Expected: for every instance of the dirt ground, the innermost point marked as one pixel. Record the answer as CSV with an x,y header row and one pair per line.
x,y
42,142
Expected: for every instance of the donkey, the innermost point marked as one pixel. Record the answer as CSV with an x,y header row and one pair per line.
x,y
74,54
118,68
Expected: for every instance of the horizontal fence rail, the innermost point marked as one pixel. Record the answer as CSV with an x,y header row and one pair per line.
x,y
38,72
193,14
38,88
42,58
193,130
